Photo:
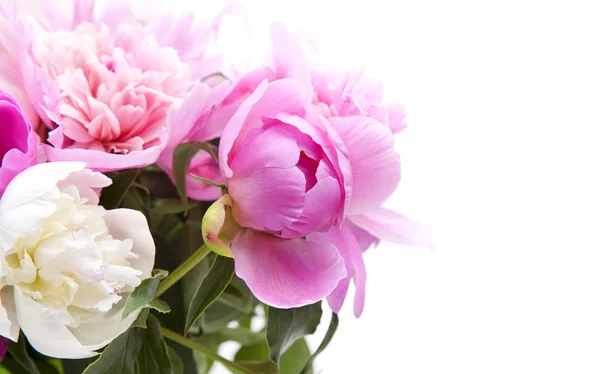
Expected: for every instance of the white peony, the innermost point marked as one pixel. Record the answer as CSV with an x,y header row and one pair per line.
x,y
66,263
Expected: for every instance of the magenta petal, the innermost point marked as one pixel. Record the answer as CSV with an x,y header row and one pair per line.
x,y
374,162
267,189
346,243
394,227
287,273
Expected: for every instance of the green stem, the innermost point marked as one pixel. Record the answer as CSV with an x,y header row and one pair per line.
x,y
172,335
182,269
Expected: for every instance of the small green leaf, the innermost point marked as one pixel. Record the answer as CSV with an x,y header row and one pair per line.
x,y
153,356
19,352
140,321
333,325
120,355
170,206
182,156
144,296
295,358
176,362
285,326
113,195
214,283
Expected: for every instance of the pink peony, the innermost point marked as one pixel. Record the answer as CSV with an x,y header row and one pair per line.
x,y
114,91
307,171
18,143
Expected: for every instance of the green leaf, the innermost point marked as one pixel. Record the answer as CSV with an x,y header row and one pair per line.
x,y
19,352
285,326
182,156
113,195
140,321
170,206
333,325
241,335
214,283
256,352
144,296
120,355
153,356
176,362
295,358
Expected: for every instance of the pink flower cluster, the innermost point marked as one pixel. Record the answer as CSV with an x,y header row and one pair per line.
x,y
307,156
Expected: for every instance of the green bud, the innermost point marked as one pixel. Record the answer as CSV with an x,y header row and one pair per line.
x,y
219,228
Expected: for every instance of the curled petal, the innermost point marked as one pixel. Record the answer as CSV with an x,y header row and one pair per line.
x,y
394,227
131,224
287,273
9,326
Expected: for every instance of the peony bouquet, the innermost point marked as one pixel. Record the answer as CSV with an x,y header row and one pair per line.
x,y
156,203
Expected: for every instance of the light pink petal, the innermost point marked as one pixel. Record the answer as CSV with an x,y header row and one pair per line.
x,y
364,239
287,273
288,57
267,189
374,162
116,12
394,227
346,243
235,125
102,161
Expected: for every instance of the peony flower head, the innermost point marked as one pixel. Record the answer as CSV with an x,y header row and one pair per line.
x,y
18,143
67,264
308,160
111,94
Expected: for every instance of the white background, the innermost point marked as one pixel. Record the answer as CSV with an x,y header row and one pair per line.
x,y
501,158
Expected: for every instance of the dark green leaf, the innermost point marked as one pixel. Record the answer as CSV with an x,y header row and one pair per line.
x,y
182,156
153,356
170,206
295,358
333,325
144,296
140,321
176,362
113,195
120,355
132,200
253,367
217,316
285,326
19,352
214,283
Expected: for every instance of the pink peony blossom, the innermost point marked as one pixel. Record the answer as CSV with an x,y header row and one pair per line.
x,y
114,91
18,143
308,160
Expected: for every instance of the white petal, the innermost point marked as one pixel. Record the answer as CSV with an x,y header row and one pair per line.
x,y
9,326
24,205
46,333
101,332
131,224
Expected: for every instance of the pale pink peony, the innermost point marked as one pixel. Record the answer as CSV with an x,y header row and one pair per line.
x,y
114,91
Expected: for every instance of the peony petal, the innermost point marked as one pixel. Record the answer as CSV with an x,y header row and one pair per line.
x,y
394,227
9,325
289,57
131,224
374,162
346,243
46,333
321,205
102,161
267,189
24,205
287,273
